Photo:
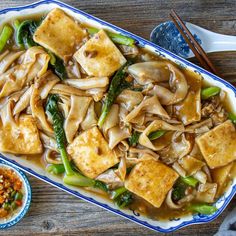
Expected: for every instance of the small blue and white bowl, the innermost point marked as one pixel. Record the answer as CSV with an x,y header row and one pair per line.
x,y
19,214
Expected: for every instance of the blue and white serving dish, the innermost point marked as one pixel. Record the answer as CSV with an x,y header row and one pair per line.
x,y
157,225
26,189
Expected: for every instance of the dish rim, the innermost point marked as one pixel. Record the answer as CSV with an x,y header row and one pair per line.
x,y
28,195
157,48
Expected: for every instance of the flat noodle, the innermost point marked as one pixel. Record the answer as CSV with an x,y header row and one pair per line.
x,y
78,110
68,90
88,83
129,99
38,110
154,126
112,119
34,64
116,135
149,105
8,60
24,101
90,119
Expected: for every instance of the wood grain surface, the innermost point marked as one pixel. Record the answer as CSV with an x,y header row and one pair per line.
x,y
54,212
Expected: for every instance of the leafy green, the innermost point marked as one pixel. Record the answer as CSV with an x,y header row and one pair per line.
x,y
203,208
232,117
189,180
122,197
209,92
56,169
156,134
100,185
71,177
25,32
58,66
133,140
116,38
181,185
5,36
178,191
117,85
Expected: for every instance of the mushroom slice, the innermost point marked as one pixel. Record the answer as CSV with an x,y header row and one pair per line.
x,y
154,126
148,105
148,72
78,110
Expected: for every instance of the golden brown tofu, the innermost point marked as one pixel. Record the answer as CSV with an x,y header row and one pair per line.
x,y
91,153
59,33
99,56
22,138
151,180
218,146
220,176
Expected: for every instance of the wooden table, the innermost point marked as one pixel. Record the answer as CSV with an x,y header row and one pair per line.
x,y
58,213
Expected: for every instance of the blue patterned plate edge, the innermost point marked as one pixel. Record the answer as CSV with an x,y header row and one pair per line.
x,y
28,195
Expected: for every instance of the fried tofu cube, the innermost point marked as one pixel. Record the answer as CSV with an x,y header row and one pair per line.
x,y
99,56
21,138
91,153
59,33
218,146
151,180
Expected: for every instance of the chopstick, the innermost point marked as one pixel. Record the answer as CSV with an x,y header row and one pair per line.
x,y
193,44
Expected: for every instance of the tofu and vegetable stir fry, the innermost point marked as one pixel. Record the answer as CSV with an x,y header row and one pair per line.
x,y
103,114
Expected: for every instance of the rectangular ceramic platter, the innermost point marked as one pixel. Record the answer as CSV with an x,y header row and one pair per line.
x,y
29,167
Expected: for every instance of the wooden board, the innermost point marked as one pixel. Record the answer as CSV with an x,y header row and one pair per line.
x,y
54,212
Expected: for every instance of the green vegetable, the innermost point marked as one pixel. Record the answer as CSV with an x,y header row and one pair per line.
x,y
122,197
58,66
5,36
181,185
118,84
116,38
178,191
209,92
232,117
202,208
25,32
13,205
16,24
115,193
156,134
18,196
191,181
133,140
56,169
100,185
13,194
71,177
6,206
